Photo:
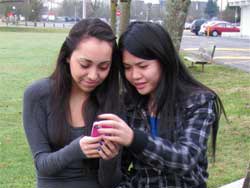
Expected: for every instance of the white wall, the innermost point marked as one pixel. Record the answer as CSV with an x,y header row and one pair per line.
x,y
245,21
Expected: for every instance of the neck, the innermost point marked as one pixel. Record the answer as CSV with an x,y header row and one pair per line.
x,y
152,106
77,93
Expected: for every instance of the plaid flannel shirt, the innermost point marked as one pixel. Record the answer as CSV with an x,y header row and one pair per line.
x,y
160,163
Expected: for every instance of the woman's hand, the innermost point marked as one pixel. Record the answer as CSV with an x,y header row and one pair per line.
x,y
90,146
119,132
108,150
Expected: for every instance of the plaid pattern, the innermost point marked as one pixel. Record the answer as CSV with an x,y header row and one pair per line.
x,y
165,164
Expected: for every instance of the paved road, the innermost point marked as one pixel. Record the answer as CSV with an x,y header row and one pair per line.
x,y
234,52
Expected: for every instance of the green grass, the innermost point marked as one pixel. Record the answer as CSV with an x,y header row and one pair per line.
x,y
25,57
233,142
33,30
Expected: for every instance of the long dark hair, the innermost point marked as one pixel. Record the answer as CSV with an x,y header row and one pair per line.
x,y
150,41
100,99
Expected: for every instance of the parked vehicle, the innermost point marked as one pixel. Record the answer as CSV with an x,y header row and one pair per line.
x,y
187,25
207,24
217,28
196,24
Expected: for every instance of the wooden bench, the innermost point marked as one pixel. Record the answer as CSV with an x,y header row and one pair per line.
x,y
204,56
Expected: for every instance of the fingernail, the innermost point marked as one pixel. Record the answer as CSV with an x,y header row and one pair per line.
x,y
101,143
99,148
97,126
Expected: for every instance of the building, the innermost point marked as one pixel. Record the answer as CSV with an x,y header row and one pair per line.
x,y
196,10
245,15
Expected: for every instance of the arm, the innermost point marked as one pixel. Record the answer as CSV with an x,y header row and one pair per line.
x,y
117,175
46,161
109,173
183,154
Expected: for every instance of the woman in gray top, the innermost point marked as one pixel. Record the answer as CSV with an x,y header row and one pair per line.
x,y
59,111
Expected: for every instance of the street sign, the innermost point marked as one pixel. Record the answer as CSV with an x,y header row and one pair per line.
x,y
118,13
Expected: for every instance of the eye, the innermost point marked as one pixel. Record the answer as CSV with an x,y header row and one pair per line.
x,y
84,66
104,66
126,67
143,66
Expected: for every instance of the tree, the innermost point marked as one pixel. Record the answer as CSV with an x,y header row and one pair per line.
x,y
231,14
94,7
113,9
176,13
36,8
212,9
70,8
125,15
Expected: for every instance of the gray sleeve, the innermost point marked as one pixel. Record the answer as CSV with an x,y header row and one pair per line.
x,y
46,161
110,173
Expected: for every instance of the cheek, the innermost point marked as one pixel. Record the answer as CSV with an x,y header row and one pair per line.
x,y
128,75
104,74
157,77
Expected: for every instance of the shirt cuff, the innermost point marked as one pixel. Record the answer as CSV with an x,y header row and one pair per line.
x,y
139,142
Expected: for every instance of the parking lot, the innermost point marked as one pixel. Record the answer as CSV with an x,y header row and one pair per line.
x,y
234,52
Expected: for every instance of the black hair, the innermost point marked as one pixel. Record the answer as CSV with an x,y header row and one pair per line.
x,y
151,41
99,100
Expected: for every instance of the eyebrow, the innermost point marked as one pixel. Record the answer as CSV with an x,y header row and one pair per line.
x,y
137,63
91,61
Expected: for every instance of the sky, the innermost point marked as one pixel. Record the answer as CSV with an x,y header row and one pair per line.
x,y
224,2
220,3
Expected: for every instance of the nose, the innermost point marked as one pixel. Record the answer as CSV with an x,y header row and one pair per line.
x,y
93,74
135,74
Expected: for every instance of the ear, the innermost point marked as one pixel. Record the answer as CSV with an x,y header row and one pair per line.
x,y
68,60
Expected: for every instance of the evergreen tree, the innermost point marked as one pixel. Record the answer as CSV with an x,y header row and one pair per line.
x,y
212,9
231,14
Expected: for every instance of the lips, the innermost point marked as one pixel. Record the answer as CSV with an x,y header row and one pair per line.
x,y
140,85
90,83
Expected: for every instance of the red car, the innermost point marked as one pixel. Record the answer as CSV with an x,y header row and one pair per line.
x,y
217,28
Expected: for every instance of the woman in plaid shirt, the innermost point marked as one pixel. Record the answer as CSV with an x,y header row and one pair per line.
x,y
169,114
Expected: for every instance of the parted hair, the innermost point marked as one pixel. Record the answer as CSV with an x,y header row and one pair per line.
x,y
99,100
150,41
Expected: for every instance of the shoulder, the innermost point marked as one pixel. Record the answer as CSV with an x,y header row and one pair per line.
x,y
198,98
38,90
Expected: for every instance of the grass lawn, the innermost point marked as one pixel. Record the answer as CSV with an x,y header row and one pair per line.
x,y
28,56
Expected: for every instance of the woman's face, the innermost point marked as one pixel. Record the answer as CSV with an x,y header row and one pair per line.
x,y
143,74
90,63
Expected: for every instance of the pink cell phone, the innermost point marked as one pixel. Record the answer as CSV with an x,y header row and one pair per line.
x,y
94,132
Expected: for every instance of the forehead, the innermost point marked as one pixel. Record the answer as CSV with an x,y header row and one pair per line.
x,y
129,58
94,49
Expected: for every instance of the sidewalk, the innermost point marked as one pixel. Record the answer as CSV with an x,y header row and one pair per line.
x,y
236,184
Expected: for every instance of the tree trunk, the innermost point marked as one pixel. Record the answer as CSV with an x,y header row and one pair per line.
x,y
113,8
125,15
176,13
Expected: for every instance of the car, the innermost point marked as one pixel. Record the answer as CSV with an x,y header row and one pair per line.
x,y
217,28
196,25
209,23
187,25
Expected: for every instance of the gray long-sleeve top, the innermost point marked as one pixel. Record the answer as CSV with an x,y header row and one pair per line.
x,y
66,167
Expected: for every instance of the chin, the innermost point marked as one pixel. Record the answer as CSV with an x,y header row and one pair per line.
x,y
143,92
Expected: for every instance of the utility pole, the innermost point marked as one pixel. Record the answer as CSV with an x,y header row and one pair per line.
x,y
83,9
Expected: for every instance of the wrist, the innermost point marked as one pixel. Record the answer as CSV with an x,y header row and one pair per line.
x,y
130,137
